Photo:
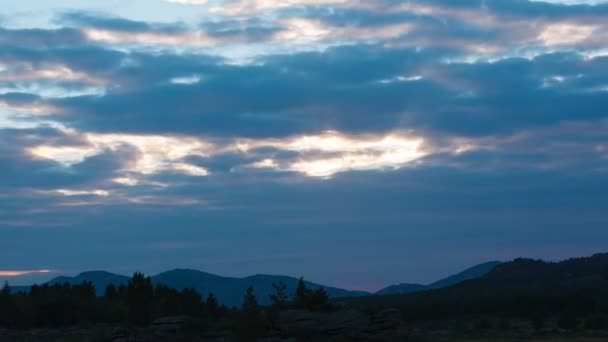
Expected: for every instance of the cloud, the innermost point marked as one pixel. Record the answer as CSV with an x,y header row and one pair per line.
x,y
188,2
468,128
22,272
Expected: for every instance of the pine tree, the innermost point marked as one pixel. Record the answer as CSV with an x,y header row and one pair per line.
x,y
212,305
6,289
319,299
111,292
139,298
250,303
250,325
280,296
302,295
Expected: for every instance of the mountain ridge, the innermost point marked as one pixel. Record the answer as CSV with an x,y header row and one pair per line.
x,y
473,272
230,290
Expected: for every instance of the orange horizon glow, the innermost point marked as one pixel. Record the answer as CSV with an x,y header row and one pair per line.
x,y
16,273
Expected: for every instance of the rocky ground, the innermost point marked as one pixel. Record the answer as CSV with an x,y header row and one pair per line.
x,y
290,326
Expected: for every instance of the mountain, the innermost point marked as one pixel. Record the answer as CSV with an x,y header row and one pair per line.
x,y
518,288
228,290
474,272
402,289
468,274
101,279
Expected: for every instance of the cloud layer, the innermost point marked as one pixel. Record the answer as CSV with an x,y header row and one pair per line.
x,y
382,130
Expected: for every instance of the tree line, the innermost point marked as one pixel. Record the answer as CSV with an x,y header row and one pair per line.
x,y
139,302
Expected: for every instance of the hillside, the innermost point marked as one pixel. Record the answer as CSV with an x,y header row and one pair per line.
x,y
520,287
468,274
228,290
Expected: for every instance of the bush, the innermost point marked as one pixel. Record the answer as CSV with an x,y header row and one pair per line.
x,y
538,323
567,322
597,322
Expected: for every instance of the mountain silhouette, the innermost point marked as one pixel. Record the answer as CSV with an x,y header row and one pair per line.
x,y
228,290
468,274
101,279
519,288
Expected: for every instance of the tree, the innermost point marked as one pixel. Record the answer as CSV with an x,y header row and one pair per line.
x,y
280,297
6,289
250,324
111,292
212,305
250,303
318,299
139,299
302,295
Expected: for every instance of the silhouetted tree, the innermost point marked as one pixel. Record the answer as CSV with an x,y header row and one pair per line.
x,y
302,295
250,323
318,299
190,302
139,299
6,289
280,296
212,305
111,292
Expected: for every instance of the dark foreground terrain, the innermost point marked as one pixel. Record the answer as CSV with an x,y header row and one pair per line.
x,y
522,300
469,330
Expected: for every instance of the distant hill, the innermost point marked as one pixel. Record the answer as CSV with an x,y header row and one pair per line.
x,y
228,290
468,274
520,287
101,280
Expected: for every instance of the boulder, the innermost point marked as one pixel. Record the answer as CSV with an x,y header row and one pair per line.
x,y
171,323
120,334
306,323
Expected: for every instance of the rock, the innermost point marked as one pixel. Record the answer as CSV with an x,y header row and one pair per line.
x,y
120,334
389,319
172,323
347,323
306,323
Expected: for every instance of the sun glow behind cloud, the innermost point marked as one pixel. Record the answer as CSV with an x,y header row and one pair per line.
x,y
331,152
566,33
17,273
320,155
153,153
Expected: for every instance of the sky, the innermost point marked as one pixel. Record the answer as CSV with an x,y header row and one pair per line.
x,y
356,143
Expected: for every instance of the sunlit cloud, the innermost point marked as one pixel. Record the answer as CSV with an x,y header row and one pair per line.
x,y
186,80
308,30
30,108
154,153
186,38
190,169
28,72
241,7
69,192
332,152
129,181
17,273
566,33
188,2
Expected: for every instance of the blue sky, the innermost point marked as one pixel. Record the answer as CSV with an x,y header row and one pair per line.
x,y
356,143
